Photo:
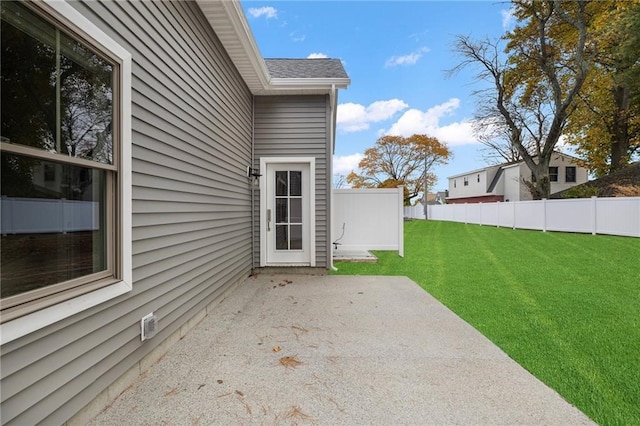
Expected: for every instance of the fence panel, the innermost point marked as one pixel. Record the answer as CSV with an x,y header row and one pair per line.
x,y
614,216
618,216
572,215
42,215
372,219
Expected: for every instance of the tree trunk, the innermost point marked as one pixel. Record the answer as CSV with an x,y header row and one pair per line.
x,y
620,139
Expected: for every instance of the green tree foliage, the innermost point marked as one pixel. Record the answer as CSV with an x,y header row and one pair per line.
x,y
396,160
605,128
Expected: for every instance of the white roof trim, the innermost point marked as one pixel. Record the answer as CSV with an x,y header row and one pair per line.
x,y
229,22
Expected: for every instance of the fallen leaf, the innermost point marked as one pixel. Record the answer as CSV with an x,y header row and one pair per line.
x,y
290,361
277,348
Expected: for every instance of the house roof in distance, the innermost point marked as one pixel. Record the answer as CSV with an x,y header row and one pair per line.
x,y
306,68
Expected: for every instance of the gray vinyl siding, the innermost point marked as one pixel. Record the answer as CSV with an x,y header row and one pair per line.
x,y
191,211
296,126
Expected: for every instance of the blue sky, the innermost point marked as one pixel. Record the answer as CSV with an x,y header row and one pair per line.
x,y
396,54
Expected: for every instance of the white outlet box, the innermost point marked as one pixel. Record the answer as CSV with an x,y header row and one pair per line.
x,y
148,326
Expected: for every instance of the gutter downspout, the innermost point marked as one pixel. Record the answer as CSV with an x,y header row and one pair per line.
x,y
253,187
332,142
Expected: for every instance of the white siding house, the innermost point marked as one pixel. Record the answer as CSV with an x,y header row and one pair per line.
x,y
505,182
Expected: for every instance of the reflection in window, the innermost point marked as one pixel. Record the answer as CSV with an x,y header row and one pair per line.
x,y
52,231
59,174
56,93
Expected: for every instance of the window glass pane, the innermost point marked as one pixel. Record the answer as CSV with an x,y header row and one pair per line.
x,y
28,78
296,237
295,183
85,103
53,223
282,215
282,237
281,182
296,210
570,174
56,93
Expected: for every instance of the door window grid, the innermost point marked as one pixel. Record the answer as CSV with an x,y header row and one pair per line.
x,y
288,200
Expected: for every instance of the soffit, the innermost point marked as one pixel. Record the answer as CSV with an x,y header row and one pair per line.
x,y
227,19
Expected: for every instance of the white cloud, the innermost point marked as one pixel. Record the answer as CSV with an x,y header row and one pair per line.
x,y
266,11
414,121
354,117
409,59
345,164
316,56
297,37
508,18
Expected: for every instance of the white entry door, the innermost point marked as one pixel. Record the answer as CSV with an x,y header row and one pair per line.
x,y
287,218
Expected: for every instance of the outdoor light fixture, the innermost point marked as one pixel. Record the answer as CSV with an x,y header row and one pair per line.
x,y
255,174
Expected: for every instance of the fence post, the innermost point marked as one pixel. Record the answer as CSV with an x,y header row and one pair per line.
x,y
594,219
401,221
498,215
513,203
544,215
465,213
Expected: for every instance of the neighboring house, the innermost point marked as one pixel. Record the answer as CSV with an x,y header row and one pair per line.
x,y
505,182
151,158
621,183
434,198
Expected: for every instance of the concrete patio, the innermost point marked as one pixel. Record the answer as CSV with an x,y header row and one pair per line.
x,y
317,349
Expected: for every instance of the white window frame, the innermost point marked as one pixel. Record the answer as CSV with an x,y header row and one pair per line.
x,y
31,322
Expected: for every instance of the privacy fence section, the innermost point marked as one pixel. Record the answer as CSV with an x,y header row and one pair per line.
x,y
613,216
414,212
42,215
368,219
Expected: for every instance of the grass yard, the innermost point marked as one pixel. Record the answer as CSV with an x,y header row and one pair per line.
x,y
564,306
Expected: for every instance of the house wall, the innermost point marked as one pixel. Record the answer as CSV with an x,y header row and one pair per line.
x,y
191,211
514,189
457,188
296,126
560,161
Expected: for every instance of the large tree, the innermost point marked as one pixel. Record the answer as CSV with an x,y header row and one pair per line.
x,y
396,160
533,87
605,128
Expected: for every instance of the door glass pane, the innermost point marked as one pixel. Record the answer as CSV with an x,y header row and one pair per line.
x,y
281,183
296,210
296,237
282,237
282,215
53,223
295,183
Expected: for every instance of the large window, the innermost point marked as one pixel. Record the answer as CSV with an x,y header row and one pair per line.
x,y
61,139
570,174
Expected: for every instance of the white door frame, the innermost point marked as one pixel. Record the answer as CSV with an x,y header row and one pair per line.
x,y
311,234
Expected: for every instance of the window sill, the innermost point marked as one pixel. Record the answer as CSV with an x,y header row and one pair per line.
x,y
27,324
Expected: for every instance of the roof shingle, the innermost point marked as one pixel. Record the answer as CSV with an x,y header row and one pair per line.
x,y
306,68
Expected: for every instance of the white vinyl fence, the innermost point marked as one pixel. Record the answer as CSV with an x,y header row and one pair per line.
x,y
414,212
42,215
368,219
613,216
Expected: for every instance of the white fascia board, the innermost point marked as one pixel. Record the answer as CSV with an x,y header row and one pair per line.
x,y
308,83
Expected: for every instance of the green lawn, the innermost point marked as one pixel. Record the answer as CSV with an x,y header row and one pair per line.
x,y
564,306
